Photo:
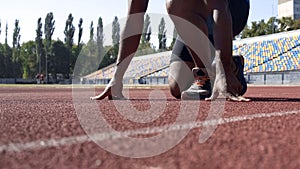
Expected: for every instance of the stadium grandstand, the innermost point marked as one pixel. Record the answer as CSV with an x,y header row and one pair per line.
x,y
139,69
270,59
271,53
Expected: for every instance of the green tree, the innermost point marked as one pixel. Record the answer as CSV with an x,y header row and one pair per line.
x,y
116,31
91,31
6,30
7,58
115,38
100,36
175,34
295,25
271,26
2,65
76,48
17,66
91,45
80,31
75,53
69,32
7,70
16,41
146,30
59,61
103,54
162,35
49,30
69,39
255,29
107,58
145,47
262,26
106,55
90,63
1,58
39,44
100,40
285,23
246,33
29,61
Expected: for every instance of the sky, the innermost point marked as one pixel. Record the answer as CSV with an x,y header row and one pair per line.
x,y
28,12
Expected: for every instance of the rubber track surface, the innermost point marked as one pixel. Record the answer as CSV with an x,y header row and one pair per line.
x,y
37,113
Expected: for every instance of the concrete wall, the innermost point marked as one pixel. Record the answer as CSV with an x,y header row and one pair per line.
x,y
276,78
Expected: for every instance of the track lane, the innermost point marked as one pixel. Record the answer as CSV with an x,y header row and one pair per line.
x,y
259,143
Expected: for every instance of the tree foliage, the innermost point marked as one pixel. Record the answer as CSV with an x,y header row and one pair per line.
x,y
175,34
16,61
29,58
80,31
49,30
145,46
115,38
162,35
69,40
16,41
146,36
76,49
39,45
100,40
6,30
116,31
91,31
273,25
69,32
6,60
59,61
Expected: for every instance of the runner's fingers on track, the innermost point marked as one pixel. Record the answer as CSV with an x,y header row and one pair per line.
x,y
233,98
244,99
233,84
220,86
213,96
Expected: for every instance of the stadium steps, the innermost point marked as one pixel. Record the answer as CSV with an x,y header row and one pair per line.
x,y
274,58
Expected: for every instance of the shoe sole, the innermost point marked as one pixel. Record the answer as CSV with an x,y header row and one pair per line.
x,y
116,98
195,95
239,62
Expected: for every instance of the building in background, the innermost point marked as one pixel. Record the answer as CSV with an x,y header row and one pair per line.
x,y
289,8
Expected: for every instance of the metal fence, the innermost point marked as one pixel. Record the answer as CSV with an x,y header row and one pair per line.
x,y
274,78
263,78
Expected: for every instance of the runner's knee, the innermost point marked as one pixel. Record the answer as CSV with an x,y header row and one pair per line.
x,y
174,88
180,77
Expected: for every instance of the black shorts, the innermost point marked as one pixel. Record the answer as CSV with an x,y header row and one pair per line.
x,y
239,12
181,53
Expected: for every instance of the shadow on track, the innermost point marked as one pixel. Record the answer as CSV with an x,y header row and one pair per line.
x,y
274,99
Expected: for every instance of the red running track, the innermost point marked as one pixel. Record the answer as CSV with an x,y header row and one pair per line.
x,y
39,129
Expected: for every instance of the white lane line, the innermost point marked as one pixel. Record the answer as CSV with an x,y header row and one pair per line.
x,y
67,141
